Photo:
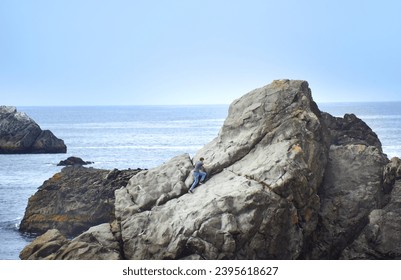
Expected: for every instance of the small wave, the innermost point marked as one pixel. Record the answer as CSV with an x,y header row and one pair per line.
x,y
10,224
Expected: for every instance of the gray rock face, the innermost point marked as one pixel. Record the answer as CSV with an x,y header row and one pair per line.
x,y
381,237
153,187
228,217
98,243
20,134
352,185
285,182
351,190
350,130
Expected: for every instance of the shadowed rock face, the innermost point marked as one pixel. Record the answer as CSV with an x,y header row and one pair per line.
x,y
381,237
352,185
285,182
19,134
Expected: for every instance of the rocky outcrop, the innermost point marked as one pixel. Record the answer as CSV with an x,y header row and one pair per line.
x,y
98,243
44,246
20,134
73,161
73,200
286,181
350,130
352,185
154,187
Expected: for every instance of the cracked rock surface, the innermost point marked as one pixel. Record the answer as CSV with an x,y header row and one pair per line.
x,y
286,181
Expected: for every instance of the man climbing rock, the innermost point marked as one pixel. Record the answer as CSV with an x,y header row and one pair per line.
x,y
199,175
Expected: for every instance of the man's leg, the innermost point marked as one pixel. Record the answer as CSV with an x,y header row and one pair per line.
x,y
203,176
196,181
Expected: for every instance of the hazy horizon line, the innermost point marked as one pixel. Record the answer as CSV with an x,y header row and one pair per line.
x,y
180,105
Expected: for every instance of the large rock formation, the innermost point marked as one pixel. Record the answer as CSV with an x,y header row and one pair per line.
x,y
285,182
73,200
19,134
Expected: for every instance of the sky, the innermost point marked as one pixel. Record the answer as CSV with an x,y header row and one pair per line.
x,y
121,52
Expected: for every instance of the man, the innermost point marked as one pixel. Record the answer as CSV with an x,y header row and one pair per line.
x,y
198,174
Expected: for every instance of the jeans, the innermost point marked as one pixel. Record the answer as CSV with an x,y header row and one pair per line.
x,y
197,175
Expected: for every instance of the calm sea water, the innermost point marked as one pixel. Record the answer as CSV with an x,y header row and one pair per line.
x,y
132,137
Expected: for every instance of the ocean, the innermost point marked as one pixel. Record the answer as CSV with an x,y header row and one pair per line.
x,y
136,137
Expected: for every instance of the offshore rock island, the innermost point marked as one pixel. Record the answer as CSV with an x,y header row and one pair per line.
x,y
286,181
19,134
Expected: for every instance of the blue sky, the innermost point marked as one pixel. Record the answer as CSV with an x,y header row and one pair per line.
x,y
195,52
